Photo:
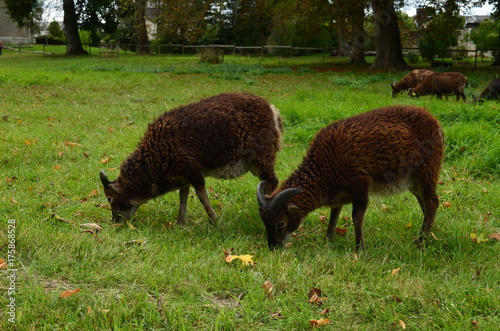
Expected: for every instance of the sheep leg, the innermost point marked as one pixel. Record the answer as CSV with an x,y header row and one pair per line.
x,y
183,197
332,225
202,194
358,214
429,202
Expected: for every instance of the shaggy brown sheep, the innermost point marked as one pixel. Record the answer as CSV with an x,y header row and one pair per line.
x,y
223,136
383,151
440,84
412,79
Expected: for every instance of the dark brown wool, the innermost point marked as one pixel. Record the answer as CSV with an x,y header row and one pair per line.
x,y
223,136
412,79
439,84
384,151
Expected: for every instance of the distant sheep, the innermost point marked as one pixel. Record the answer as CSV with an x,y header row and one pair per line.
x,y
223,136
384,151
491,92
412,79
440,84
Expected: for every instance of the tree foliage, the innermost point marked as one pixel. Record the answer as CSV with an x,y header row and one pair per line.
x,y
24,12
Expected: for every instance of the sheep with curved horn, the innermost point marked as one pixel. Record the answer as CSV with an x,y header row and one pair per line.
x,y
383,151
223,136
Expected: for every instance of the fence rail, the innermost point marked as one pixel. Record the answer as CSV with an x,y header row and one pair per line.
x,y
113,50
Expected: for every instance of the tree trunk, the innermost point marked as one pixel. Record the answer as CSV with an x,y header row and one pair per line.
x,y
389,50
73,40
141,31
358,35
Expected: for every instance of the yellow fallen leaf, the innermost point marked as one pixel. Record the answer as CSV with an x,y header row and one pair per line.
x,y
402,324
131,226
67,294
478,238
408,225
394,272
321,322
89,310
3,264
245,259
93,193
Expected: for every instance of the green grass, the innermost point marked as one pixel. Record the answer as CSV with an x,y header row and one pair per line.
x,y
61,117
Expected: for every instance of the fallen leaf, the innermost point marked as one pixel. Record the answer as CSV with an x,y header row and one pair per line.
x,y
341,231
86,154
402,324
131,226
91,226
315,297
60,154
93,193
408,225
325,311
478,238
57,167
245,259
396,271
446,204
89,310
67,294
288,244
227,251
495,236
3,264
268,288
13,201
105,160
67,143
321,322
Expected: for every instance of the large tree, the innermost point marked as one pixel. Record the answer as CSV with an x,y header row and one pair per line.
x,y
74,43
389,51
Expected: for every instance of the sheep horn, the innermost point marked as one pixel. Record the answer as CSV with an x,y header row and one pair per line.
x,y
261,194
104,179
279,201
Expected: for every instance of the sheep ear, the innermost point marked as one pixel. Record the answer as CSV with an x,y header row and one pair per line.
x,y
261,195
116,187
292,208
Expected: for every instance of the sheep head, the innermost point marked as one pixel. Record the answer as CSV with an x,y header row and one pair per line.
x,y
280,216
122,207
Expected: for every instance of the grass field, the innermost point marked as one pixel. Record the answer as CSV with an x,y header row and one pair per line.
x,y
65,119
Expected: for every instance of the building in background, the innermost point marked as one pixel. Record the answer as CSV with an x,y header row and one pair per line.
x,y
10,33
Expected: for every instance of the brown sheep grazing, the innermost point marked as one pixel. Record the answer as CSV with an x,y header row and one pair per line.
x,y
440,84
383,151
223,136
412,79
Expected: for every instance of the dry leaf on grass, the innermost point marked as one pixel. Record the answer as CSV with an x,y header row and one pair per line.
x,y
131,226
315,297
67,294
3,264
91,226
495,236
341,231
394,272
321,322
268,288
